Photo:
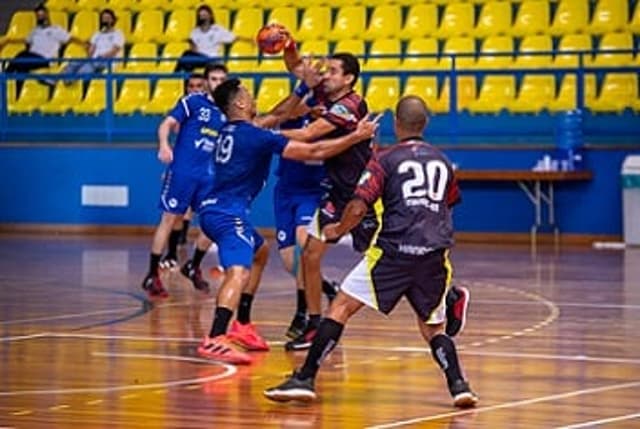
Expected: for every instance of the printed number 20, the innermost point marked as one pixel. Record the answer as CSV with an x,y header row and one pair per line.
x,y
435,179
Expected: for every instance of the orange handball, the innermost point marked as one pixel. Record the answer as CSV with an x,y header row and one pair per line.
x,y
272,38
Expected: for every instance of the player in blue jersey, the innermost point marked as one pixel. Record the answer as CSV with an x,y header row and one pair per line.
x,y
189,172
242,162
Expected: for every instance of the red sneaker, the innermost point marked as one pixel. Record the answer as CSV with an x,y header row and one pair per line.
x,y
153,286
247,336
457,305
221,348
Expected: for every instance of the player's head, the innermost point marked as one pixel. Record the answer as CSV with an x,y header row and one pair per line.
x,y
234,100
411,116
42,15
194,83
343,70
107,19
205,16
214,75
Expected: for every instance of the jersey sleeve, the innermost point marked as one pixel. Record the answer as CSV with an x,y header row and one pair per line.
x,y
341,116
274,141
182,110
453,193
225,36
62,35
371,183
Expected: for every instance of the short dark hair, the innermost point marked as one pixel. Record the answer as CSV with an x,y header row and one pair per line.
x,y
350,65
412,113
225,93
206,8
214,67
109,12
192,76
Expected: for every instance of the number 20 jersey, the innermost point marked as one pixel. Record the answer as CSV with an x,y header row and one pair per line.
x,y
415,184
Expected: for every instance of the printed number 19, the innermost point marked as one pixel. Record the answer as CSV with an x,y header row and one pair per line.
x,y
224,149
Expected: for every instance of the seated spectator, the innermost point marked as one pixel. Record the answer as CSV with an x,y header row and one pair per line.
x,y
205,41
44,43
106,43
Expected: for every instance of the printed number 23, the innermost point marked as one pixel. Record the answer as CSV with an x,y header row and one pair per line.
x,y
224,149
435,179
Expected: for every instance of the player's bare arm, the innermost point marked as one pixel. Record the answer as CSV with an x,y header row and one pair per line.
x,y
353,214
165,153
315,130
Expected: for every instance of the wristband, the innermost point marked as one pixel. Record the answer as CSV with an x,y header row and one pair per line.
x,y
301,90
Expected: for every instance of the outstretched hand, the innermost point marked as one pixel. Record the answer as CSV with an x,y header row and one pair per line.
x,y
367,128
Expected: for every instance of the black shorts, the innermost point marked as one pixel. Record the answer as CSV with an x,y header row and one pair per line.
x,y
379,281
331,212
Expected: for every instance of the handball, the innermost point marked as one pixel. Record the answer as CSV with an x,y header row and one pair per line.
x,y
272,38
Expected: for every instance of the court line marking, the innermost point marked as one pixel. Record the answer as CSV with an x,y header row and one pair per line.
x,y
601,421
507,405
561,304
23,337
229,370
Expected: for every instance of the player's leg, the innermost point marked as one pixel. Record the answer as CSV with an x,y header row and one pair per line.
x,y
191,269
170,260
186,222
427,297
152,283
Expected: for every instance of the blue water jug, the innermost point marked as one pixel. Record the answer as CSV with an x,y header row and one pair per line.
x,y
570,139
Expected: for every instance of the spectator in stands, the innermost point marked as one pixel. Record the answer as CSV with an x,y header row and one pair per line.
x,y
106,43
44,43
205,41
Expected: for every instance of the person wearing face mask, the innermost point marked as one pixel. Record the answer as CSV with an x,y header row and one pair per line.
x,y
108,42
44,43
206,41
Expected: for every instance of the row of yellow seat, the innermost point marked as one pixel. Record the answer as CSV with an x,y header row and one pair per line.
x,y
458,19
496,93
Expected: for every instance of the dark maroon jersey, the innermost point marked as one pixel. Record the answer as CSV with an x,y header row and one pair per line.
x,y
416,185
345,169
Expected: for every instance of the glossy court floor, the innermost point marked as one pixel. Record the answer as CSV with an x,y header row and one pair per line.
x,y
552,341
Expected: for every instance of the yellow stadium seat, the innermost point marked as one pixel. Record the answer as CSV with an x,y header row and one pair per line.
x,y
465,94
165,96
384,47
349,24
536,43
271,92
385,21
316,48
21,24
352,46
458,45
66,5
634,24
63,99
571,17
95,99
94,5
496,93
457,20
420,47
272,63
11,93
148,5
243,4
59,18
566,98
179,26
84,24
124,23
272,4
247,22
619,91
140,53
425,87
248,83
532,18
572,43
315,23
171,50
221,16
382,93
243,49
495,45
495,19
148,28
536,92
122,5
609,16
186,4
10,50
33,95
287,16
611,42
72,51
421,21
133,94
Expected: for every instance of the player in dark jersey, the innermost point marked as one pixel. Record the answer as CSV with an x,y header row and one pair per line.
x,y
242,163
413,188
189,171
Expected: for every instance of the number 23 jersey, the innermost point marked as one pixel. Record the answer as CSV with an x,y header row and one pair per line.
x,y
413,189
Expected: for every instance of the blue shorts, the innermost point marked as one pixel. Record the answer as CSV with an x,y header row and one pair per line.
x,y
236,238
181,191
292,209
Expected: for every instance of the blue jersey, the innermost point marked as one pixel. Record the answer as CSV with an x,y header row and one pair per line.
x,y
300,176
242,163
200,121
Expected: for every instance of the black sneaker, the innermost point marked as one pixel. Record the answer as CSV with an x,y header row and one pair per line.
x,y
153,286
195,275
462,395
294,389
169,262
457,304
330,289
302,341
297,326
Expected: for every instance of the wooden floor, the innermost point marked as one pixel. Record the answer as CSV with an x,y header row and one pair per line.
x,y
552,341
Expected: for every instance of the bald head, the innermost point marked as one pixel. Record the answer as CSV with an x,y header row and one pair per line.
x,y
412,115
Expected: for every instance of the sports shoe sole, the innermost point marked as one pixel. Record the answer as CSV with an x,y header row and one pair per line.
x,y
227,359
465,400
463,321
301,395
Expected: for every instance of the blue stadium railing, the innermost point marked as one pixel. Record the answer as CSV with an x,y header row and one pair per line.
x,y
108,127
